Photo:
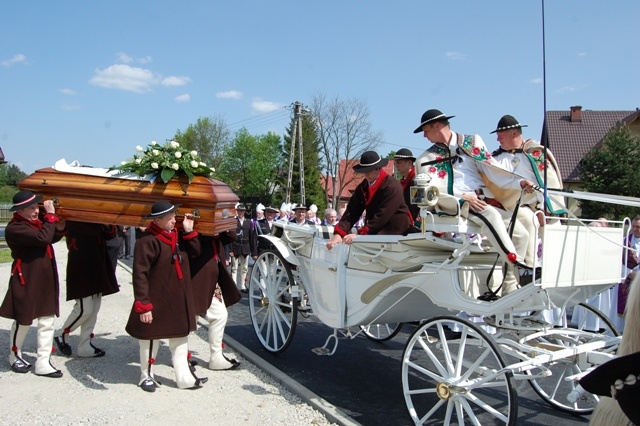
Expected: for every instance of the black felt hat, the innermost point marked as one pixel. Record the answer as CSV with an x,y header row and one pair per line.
x,y
622,374
508,122
24,199
404,154
370,160
162,208
241,207
270,209
300,207
431,116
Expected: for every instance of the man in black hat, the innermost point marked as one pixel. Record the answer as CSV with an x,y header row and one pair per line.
x,y
526,159
300,216
163,305
454,163
403,161
242,248
264,226
380,196
34,289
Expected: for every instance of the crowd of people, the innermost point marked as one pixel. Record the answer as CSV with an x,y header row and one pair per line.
x,y
176,272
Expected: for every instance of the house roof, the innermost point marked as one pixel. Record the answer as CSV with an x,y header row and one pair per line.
x,y
569,140
346,167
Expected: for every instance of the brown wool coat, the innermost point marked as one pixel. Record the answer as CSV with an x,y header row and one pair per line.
x,y
204,269
155,281
89,268
386,214
40,295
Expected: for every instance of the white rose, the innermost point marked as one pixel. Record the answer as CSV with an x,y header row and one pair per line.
x,y
202,164
175,166
174,144
139,148
154,143
212,169
122,163
194,163
178,154
194,153
154,165
155,152
138,161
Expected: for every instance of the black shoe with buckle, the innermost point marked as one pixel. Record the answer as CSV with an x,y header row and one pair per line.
x,y
527,276
62,346
148,385
19,366
54,374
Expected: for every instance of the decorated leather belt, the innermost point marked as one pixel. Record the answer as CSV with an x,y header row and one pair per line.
x,y
493,202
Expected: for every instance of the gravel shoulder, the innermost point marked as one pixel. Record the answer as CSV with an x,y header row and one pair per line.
x,y
104,390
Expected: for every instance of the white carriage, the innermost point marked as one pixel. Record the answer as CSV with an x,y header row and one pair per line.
x,y
380,282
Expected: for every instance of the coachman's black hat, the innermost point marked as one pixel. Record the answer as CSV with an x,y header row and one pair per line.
x,y
24,199
508,122
161,208
300,207
620,379
431,116
370,160
270,209
404,154
241,207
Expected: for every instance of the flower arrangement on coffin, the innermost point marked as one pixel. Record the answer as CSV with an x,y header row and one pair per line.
x,y
165,161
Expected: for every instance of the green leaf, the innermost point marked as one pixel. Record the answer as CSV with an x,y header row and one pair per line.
x,y
167,174
189,175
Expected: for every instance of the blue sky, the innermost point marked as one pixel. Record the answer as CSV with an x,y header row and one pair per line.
x,y
89,81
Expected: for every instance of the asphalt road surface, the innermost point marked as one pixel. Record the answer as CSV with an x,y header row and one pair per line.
x,y
363,377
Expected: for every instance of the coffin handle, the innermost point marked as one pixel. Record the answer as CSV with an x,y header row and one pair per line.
x,y
56,201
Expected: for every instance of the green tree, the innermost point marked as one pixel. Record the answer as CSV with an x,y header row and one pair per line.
x,y
10,175
250,166
209,136
314,193
612,168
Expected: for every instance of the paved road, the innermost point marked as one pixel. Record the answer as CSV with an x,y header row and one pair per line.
x,y
363,377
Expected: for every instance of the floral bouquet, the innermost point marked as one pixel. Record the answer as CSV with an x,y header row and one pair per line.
x,y
166,161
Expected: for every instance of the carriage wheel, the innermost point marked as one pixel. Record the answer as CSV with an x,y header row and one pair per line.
x,y
450,379
381,332
554,389
273,308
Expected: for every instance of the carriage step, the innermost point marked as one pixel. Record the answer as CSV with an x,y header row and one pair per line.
x,y
321,351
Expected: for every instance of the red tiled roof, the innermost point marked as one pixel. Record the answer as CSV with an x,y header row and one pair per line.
x,y
570,141
346,168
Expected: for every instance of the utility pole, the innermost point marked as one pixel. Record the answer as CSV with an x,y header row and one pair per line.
x,y
297,133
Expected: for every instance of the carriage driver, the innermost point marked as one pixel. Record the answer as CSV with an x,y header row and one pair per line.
x,y
454,163
381,196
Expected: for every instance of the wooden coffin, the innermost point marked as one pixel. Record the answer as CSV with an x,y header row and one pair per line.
x,y
109,200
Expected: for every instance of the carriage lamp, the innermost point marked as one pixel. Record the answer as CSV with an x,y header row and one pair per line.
x,y
423,194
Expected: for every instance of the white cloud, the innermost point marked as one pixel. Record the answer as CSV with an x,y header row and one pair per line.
x,y
125,77
145,59
175,81
19,58
570,89
230,94
582,53
183,98
260,107
537,80
68,92
124,58
456,56
70,106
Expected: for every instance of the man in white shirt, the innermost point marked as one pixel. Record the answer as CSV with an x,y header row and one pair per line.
x,y
455,162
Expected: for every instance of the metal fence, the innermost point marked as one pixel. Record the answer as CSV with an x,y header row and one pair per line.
x,y
5,214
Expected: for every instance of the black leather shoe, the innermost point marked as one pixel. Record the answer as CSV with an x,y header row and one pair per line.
x,y
148,385
20,366
63,346
97,352
244,290
54,374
